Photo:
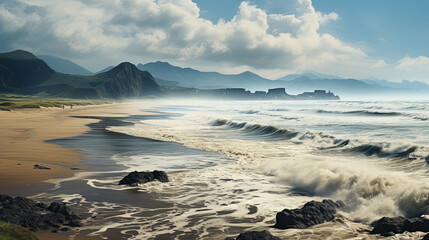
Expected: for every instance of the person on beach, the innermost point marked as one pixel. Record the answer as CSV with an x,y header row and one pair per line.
x,y
71,106
62,105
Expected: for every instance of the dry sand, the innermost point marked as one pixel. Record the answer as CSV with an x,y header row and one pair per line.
x,y
22,141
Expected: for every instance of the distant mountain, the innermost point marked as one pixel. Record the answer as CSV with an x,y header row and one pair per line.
x,y
343,87
22,72
105,69
188,77
405,84
309,74
65,66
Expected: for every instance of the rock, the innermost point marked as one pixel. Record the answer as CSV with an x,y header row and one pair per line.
x,y
30,214
143,177
36,166
255,235
74,223
252,209
426,237
387,226
64,229
390,226
312,213
74,168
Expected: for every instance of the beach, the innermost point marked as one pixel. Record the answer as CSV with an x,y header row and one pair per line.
x,y
232,165
23,134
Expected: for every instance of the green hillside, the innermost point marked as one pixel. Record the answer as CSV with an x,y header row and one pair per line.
x,y
23,73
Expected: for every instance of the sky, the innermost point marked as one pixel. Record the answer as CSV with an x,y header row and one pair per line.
x,y
377,39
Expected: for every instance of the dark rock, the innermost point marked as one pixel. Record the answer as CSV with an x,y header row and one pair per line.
x,y
143,177
389,226
252,209
30,214
312,213
74,223
386,226
64,229
74,168
426,237
60,208
255,235
36,166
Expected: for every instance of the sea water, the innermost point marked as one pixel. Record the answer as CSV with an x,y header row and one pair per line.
x,y
264,156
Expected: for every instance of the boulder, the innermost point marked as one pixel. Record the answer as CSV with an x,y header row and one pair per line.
x,y
312,213
426,237
30,214
134,178
255,235
387,226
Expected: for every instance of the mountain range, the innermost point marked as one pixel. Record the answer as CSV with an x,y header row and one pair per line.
x,y
65,66
65,78
24,73
294,83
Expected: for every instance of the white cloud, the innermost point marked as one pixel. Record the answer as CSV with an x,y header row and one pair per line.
x,y
420,63
379,64
173,29
414,68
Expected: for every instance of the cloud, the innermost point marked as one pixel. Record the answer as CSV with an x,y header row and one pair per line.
x,y
173,29
414,68
379,64
420,63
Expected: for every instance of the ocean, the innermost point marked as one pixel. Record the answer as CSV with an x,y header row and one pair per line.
x,y
234,164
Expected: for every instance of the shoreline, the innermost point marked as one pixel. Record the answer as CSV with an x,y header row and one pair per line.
x,y
24,133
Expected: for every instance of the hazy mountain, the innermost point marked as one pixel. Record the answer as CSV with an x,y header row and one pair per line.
x,y
105,69
309,74
64,65
404,84
188,77
22,72
343,87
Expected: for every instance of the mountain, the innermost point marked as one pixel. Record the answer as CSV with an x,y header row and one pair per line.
x,y
64,65
105,69
309,81
188,77
22,72
343,87
21,69
405,84
309,74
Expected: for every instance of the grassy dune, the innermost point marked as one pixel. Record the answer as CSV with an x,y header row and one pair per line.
x,y
11,101
10,231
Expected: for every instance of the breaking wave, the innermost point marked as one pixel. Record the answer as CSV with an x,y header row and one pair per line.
x,y
326,142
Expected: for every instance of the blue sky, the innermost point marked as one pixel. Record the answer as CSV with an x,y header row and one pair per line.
x,y
384,39
390,29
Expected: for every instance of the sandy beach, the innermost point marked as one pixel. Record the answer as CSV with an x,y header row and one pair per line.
x,y
23,134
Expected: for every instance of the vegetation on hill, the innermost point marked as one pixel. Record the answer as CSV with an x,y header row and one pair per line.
x,y
10,231
23,73
13,101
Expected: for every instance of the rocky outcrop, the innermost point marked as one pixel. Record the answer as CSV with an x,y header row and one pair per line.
x,y
34,216
390,226
312,213
255,235
134,178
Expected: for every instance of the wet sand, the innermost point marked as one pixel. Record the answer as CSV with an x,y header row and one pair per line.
x,y
22,142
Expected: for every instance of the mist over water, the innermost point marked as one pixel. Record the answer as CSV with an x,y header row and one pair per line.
x,y
371,155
